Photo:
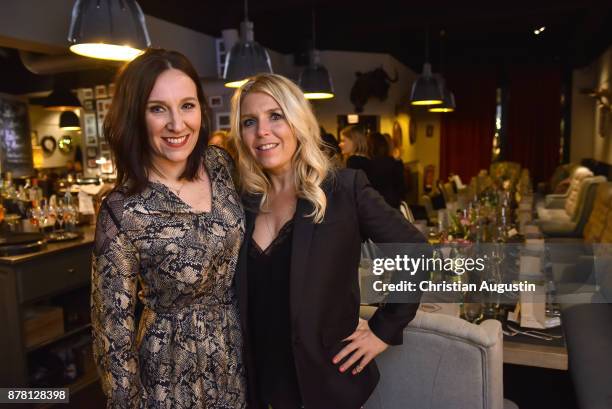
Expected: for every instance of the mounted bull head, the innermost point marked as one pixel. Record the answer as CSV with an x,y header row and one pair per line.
x,y
373,83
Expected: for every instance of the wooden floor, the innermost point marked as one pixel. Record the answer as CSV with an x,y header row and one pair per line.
x,y
528,387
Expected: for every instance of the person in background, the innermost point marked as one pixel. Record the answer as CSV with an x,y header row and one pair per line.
x,y
221,139
386,173
297,279
354,146
172,226
331,148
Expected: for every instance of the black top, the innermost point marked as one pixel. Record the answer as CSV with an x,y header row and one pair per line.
x,y
270,327
324,289
387,176
359,163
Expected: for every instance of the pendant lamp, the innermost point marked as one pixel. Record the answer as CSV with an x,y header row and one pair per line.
x,y
247,57
448,99
108,29
61,99
426,89
315,80
69,121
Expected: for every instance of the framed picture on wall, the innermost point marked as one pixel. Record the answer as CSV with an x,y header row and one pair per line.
x,y
88,105
412,131
604,120
92,152
429,130
111,90
101,92
215,101
86,93
223,121
91,163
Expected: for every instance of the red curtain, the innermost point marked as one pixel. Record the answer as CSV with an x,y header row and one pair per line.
x,y
466,135
534,118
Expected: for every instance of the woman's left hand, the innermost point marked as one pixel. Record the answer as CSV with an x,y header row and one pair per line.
x,y
363,347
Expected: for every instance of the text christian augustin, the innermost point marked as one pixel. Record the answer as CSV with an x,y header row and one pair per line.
x,y
456,266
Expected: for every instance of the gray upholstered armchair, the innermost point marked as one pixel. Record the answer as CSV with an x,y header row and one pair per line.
x,y
444,363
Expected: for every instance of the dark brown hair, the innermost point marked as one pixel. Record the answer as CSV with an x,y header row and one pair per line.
x,y
125,127
379,146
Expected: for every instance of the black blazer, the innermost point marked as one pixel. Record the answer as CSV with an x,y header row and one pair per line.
x,y
324,288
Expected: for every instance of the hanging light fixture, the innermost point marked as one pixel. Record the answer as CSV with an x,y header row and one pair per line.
x,y
448,98
247,57
61,99
69,121
315,80
426,89
108,29
448,102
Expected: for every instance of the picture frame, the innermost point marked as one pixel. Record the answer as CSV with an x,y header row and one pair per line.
x,y
48,144
88,105
91,163
397,135
86,93
412,131
429,130
604,119
101,92
215,101
92,152
89,120
111,90
222,121
91,141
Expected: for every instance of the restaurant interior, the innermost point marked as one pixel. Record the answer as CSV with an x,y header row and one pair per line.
x,y
500,115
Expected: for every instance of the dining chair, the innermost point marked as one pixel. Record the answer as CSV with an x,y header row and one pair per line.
x,y
444,363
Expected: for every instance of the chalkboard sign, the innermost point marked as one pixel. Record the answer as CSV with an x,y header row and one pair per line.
x,y
15,142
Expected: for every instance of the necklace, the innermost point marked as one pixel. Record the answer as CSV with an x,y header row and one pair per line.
x,y
174,190
178,191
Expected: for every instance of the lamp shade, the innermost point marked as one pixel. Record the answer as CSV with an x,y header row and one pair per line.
x,y
69,121
426,90
316,83
245,59
61,99
448,103
108,29
315,80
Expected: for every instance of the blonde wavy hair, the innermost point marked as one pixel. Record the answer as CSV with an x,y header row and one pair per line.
x,y
311,165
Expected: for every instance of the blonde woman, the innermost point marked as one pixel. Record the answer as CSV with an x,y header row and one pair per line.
x,y
355,148
297,281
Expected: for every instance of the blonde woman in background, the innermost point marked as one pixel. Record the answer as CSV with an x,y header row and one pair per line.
x,y
221,139
355,148
297,281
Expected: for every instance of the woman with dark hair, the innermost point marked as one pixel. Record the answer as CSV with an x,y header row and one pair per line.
x,y
172,226
386,173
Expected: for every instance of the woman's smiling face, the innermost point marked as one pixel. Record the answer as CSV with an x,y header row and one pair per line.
x,y
266,133
173,117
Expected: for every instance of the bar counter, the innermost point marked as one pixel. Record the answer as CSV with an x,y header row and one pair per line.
x,y
58,278
52,248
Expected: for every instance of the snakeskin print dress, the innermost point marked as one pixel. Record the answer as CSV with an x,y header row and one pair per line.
x,y
186,349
